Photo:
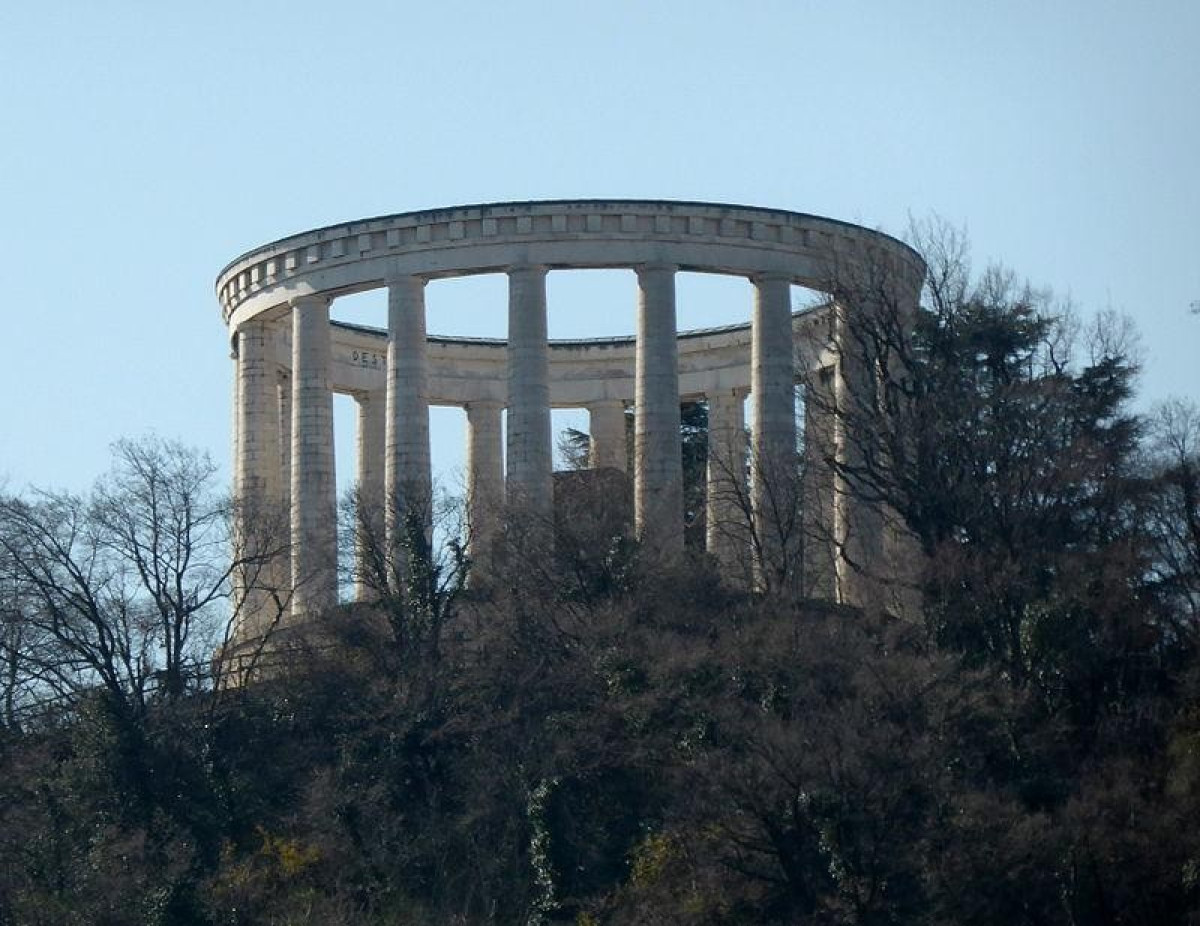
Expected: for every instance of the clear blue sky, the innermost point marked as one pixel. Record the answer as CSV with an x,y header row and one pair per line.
x,y
145,144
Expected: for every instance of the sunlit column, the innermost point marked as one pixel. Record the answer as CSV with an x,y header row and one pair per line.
x,y
408,481
257,474
258,426
314,488
658,464
529,485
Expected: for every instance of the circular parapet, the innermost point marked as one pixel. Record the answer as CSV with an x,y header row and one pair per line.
x,y
558,234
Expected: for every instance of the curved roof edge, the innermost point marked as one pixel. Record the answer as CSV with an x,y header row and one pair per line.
x,y
591,200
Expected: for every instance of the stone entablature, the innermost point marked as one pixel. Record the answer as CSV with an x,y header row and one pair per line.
x,y
290,358
557,234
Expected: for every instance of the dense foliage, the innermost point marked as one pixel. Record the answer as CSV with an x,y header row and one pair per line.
x,y
655,748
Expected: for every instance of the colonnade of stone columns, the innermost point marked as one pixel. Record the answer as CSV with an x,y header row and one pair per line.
x,y
285,424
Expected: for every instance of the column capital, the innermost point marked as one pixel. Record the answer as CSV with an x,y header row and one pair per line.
x,y
771,276
404,279
655,267
254,325
526,269
309,299
482,405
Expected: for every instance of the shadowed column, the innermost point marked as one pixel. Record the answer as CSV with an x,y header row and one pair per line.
x,y
485,479
858,521
819,485
283,527
235,436
727,535
609,447
774,490
658,465
529,485
284,389
314,504
369,519
408,483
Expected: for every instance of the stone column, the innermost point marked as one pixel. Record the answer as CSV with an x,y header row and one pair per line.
x,y
235,437
240,520
858,522
727,518
285,438
257,477
658,463
530,483
774,492
609,445
819,540
902,573
257,473
314,489
485,479
369,519
284,392
408,483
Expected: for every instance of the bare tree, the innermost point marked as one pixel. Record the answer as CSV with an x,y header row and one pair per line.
x,y
761,541
127,588
413,576
989,427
